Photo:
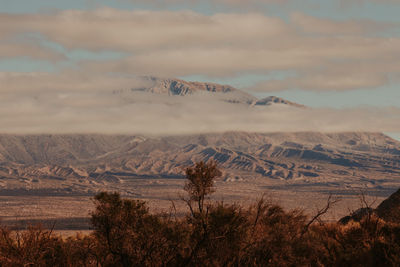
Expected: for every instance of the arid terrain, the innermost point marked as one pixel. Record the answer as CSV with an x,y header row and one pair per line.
x,y
53,177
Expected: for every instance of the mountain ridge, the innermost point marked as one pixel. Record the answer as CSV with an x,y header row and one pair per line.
x,y
178,87
345,159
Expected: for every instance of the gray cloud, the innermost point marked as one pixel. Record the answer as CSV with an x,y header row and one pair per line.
x,y
166,43
144,31
314,25
247,4
92,111
352,3
338,76
324,81
12,49
254,4
70,81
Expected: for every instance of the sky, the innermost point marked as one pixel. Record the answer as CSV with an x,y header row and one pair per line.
x,y
335,56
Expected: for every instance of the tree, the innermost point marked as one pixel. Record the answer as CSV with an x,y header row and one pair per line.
x,y
128,235
200,182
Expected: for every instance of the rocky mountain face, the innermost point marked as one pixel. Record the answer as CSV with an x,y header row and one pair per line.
x,y
84,162
80,162
275,100
227,93
182,88
56,149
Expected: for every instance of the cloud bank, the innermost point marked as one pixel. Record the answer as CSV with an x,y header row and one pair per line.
x,y
132,112
319,54
322,54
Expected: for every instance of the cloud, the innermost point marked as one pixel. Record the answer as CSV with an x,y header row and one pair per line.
x,y
89,102
180,43
254,4
314,25
247,4
324,81
143,31
352,3
70,81
320,54
338,76
145,113
9,50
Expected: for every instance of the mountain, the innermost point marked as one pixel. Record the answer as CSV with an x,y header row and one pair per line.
x,y
56,149
303,167
182,88
227,93
275,100
81,163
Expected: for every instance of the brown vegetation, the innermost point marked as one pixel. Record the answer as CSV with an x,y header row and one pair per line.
x,y
211,234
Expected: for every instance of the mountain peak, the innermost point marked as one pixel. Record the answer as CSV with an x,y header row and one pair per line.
x,y
275,100
177,87
180,87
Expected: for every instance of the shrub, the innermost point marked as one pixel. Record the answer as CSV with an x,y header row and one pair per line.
x,y
211,234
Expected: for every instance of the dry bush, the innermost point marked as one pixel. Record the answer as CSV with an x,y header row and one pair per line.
x,y
211,234
276,237
217,238
127,235
81,250
31,247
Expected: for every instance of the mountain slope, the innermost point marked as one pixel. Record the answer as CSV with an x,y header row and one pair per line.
x,y
342,160
227,93
56,149
279,155
270,100
182,88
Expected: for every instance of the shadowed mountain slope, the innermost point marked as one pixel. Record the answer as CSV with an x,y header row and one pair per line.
x,y
302,157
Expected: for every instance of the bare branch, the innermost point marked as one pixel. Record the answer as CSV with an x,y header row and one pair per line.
x,y
317,217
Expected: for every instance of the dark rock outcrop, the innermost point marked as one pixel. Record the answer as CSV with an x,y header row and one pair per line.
x,y
389,209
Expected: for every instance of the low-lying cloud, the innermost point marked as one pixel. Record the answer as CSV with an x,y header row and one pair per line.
x,y
132,112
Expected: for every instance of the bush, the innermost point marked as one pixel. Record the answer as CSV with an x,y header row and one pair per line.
x,y
211,234
33,247
127,234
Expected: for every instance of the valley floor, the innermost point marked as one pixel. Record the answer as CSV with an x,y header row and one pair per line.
x,y
71,212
